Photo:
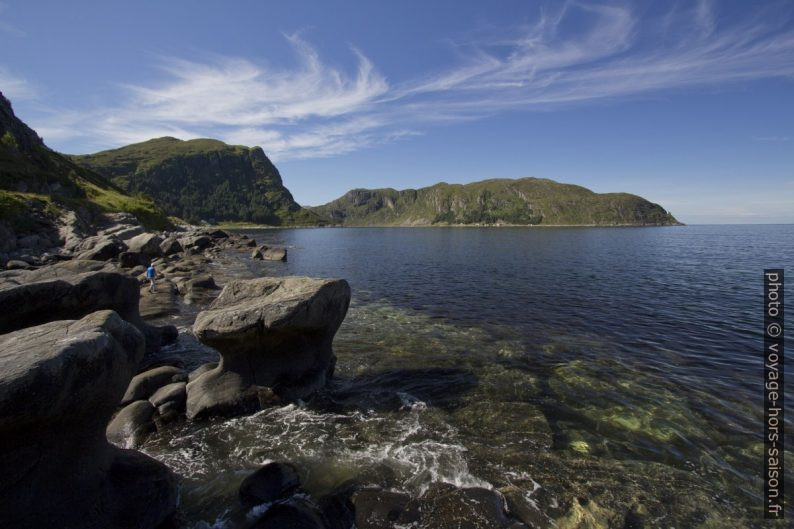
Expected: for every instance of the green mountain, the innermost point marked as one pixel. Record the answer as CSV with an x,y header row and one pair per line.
x,y
491,202
202,180
36,179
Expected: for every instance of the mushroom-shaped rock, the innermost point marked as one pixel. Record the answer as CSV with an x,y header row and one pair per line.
x,y
274,335
57,468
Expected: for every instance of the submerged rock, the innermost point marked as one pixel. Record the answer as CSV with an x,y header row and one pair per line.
x,y
133,424
275,254
298,512
274,336
57,468
383,509
273,481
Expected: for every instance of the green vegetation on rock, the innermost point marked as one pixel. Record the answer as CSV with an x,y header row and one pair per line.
x,y
33,177
203,180
526,201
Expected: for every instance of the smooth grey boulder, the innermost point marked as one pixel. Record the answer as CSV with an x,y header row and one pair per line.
x,y
59,385
132,425
171,246
196,242
104,250
147,244
274,335
273,481
174,392
200,370
275,254
61,291
145,384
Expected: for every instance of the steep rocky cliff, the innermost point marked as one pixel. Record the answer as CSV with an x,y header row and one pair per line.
x,y
38,184
526,201
202,180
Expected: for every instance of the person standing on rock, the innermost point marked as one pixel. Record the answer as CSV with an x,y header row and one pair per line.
x,y
150,275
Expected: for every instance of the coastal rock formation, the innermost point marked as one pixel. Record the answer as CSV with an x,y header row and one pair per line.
x,y
72,289
275,338
57,469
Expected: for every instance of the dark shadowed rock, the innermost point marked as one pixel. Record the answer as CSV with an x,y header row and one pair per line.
x,y
132,425
100,248
258,253
445,506
383,509
144,385
61,292
57,468
274,481
147,244
272,333
171,246
196,242
218,234
294,513
132,259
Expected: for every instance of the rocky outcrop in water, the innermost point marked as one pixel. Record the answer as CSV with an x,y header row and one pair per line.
x,y
59,384
274,336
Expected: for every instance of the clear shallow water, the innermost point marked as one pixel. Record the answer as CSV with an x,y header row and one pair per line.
x,y
618,365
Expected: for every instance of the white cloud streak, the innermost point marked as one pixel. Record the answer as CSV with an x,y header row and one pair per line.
x,y
316,110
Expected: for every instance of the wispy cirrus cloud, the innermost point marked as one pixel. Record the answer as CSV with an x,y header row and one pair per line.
x,y
317,110
15,87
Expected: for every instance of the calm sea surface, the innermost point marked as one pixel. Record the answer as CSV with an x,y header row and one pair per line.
x,y
605,373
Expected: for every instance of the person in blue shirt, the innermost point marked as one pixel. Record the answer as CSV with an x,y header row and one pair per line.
x,y
150,275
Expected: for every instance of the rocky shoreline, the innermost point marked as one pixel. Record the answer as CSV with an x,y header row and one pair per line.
x,y
83,383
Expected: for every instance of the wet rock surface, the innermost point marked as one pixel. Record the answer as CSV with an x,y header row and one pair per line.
x,y
274,336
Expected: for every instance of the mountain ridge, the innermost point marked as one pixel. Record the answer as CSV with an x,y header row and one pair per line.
x,y
38,181
202,180
498,201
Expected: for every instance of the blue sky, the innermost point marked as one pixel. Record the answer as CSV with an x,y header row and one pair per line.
x,y
689,104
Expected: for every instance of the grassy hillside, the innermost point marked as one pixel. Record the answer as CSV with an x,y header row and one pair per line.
x,y
526,201
203,180
34,177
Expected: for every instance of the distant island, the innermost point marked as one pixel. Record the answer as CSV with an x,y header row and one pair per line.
x,y
525,201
